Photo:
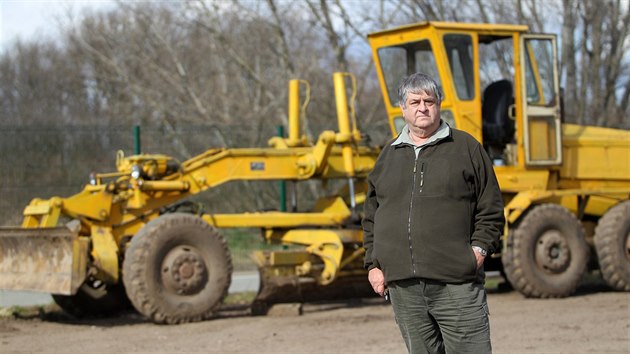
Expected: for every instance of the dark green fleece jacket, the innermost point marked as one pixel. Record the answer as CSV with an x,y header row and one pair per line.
x,y
422,215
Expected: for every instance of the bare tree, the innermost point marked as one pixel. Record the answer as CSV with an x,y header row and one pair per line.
x,y
199,74
568,50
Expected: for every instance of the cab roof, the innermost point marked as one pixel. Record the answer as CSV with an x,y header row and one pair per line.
x,y
487,28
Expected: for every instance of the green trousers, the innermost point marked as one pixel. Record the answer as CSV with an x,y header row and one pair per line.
x,y
436,317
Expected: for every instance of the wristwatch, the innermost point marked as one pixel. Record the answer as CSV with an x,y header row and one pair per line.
x,y
481,250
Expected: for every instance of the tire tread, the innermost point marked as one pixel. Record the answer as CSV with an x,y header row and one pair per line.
x,y
613,266
137,260
522,275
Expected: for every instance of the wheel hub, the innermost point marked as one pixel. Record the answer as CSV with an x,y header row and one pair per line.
x,y
552,252
184,271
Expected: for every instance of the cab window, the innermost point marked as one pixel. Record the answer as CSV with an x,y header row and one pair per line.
x,y
539,74
496,59
460,58
405,59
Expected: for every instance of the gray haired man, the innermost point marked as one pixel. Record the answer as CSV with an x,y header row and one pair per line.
x,y
433,212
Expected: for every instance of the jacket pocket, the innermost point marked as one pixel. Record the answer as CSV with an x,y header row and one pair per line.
x,y
433,177
473,259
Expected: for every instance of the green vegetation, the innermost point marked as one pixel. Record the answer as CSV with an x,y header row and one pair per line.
x,y
243,298
242,242
27,311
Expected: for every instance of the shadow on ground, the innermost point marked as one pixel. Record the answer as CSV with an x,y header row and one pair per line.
x,y
591,284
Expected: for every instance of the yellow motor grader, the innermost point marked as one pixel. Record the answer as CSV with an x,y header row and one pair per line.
x,y
566,187
130,235
126,235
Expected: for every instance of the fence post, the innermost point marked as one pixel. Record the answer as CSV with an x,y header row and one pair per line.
x,y
136,140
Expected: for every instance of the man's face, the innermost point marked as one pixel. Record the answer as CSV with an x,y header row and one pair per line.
x,y
422,111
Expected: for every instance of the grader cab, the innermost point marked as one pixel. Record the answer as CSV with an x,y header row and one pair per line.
x,y
126,236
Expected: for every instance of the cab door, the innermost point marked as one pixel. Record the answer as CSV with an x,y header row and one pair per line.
x,y
540,100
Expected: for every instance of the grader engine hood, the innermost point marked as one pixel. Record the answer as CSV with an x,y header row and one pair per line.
x,y
596,153
50,260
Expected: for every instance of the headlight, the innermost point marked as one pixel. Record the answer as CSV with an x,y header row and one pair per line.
x,y
136,171
93,180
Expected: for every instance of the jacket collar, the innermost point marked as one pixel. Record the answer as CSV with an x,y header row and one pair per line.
x,y
443,131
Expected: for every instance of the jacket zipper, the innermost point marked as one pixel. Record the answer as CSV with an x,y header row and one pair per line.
x,y
415,168
421,177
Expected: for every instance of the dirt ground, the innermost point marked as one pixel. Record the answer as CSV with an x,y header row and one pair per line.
x,y
595,320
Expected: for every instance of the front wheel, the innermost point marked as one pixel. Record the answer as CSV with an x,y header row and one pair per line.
x,y
177,269
547,254
612,242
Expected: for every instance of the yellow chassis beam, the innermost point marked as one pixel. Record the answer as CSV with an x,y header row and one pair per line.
x,y
523,200
325,244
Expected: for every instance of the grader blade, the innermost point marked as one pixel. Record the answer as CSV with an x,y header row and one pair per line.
x,y
294,289
49,260
284,278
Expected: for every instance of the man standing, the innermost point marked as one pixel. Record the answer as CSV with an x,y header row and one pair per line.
x,y
433,212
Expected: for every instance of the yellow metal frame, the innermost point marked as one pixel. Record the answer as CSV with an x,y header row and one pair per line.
x,y
326,245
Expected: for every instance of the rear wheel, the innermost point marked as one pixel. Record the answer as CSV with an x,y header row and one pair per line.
x,y
94,298
547,254
612,242
177,269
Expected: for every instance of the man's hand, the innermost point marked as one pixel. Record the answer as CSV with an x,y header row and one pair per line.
x,y
479,257
377,280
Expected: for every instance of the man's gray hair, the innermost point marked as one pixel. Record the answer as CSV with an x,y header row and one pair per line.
x,y
418,83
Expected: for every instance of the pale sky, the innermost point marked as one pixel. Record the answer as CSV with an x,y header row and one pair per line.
x,y
30,19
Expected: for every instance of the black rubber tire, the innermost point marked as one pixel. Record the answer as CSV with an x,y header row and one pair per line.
x,y
612,243
94,299
151,272
547,253
506,258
